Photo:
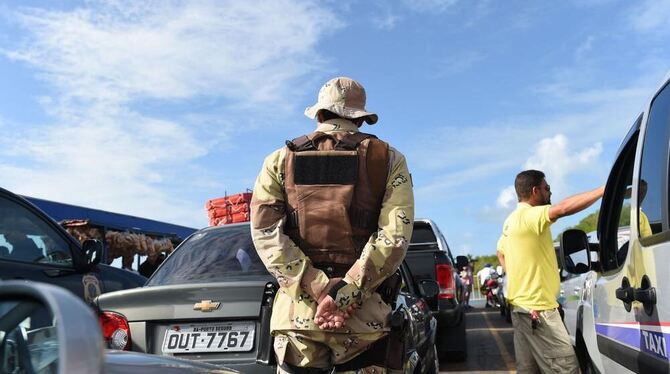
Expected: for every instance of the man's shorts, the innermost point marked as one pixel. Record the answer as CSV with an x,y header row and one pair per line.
x,y
546,349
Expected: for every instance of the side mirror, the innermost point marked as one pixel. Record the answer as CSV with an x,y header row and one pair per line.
x,y
575,251
461,261
429,288
39,326
93,251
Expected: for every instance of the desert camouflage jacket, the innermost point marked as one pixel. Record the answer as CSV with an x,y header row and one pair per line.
x,y
380,257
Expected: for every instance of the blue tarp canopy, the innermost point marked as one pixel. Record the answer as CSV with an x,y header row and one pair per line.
x,y
114,221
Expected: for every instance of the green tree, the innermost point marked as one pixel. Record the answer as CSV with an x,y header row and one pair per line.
x,y
480,261
590,222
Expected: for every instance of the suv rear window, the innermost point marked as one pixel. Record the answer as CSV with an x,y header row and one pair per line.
x,y
423,238
212,255
423,233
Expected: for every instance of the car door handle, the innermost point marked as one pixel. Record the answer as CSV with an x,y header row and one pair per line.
x,y
577,289
625,294
646,296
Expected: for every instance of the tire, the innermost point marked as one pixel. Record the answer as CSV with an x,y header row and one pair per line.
x,y
585,362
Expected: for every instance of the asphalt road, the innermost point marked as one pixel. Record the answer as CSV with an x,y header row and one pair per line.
x,y
490,344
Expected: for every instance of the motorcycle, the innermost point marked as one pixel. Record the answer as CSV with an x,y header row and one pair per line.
x,y
490,289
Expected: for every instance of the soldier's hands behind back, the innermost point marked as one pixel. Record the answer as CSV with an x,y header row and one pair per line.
x,y
328,315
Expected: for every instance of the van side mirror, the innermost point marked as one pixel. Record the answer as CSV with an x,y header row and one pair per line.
x,y
461,261
575,251
93,251
429,288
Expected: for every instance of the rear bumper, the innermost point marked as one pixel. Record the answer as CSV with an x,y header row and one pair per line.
x,y
252,368
450,329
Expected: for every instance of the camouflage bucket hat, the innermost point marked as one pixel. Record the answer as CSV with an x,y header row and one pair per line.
x,y
344,97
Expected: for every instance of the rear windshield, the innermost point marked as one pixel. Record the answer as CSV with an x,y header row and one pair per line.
x,y
423,233
212,255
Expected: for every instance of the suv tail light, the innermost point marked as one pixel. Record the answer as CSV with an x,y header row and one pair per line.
x,y
445,279
115,330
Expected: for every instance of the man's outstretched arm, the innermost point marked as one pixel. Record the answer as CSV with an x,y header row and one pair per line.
x,y
575,203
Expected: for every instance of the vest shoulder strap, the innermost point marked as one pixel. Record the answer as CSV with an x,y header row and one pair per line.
x,y
378,166
352,141
304,143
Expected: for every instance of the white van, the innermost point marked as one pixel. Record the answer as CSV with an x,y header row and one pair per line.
x,y
631,284
576,299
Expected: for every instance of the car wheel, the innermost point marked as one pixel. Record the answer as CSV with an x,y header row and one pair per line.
x,y
585,362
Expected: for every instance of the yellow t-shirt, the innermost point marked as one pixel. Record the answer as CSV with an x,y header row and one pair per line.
x,y
530,259
645,227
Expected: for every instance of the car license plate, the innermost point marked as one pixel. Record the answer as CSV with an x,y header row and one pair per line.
x,y
209,337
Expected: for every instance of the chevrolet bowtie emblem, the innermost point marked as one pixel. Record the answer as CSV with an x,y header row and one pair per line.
x,y
206,306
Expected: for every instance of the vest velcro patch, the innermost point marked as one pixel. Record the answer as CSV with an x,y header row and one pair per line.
x,y
325,167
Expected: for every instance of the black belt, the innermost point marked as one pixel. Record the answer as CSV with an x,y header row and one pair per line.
x,y
334,270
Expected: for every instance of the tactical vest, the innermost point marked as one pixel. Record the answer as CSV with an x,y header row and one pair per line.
x,y
334,186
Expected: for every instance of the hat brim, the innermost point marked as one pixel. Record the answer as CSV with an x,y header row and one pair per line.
x,y
342,111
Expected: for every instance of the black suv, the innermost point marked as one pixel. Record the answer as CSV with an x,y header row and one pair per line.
x,y
429,257
34,247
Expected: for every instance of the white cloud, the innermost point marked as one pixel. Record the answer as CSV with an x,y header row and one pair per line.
x,y
446,185
105,59
558,161
172,50
651,16
584,48
387,22
506,198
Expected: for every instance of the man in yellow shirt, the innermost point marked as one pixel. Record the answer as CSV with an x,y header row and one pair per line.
x,y
541,342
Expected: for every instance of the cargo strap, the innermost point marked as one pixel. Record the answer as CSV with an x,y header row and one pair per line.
x,y
307,142
358,218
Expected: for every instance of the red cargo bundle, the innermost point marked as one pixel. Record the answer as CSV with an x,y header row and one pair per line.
x,y
222,202
229,209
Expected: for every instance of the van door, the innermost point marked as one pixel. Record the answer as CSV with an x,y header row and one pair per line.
x,y
650,239
616,336
631,306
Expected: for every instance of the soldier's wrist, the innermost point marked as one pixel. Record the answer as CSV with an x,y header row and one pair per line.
x,y
336,288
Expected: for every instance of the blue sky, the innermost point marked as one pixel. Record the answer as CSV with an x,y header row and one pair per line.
x,y
152,108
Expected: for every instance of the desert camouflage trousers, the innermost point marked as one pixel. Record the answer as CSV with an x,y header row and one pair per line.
x,y
316,349
299,342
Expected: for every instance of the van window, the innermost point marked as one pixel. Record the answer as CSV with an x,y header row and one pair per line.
x,y
615,210
652,191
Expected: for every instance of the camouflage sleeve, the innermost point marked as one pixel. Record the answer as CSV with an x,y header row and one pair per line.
x,y
281,256
385,250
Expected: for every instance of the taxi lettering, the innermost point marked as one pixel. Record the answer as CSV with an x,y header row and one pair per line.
x,y
655,343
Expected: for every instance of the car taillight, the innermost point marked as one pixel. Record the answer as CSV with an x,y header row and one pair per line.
x,y
115,330
445,279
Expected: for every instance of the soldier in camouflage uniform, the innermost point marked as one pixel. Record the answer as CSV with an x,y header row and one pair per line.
x,y
327,311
